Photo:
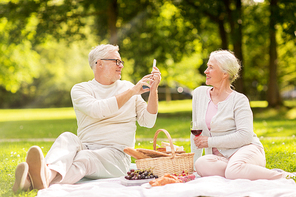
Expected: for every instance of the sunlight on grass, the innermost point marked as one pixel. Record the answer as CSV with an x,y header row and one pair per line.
x,y
174,116
290,103
68,112
36,114
291,114
186,105
175,106
275,128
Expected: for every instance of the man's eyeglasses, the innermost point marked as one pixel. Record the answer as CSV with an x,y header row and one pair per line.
x,y
118,62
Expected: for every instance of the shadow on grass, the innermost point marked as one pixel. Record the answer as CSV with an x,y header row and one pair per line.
x,y
271,113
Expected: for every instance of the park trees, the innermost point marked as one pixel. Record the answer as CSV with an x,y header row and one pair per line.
x,y
179,34
227,16
143,29
282,16
239,21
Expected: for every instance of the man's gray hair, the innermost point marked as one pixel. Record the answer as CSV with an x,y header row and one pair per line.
x,y
100,52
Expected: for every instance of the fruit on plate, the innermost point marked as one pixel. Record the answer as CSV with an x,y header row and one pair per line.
x,y
172,178
140,174
185,176
165,179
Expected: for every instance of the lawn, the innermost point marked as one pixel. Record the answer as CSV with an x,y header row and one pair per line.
x,y
20,129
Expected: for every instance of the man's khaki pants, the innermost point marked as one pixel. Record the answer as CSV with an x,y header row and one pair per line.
x,y
74,160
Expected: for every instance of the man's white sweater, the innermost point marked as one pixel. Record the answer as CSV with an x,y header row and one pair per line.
x,y
100,121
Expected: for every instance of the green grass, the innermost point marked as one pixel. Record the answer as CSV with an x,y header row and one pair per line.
x,y
36,114
22,128
280,153
36,128
13,153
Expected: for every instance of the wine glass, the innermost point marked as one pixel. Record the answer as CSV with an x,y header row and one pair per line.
x,y
195,130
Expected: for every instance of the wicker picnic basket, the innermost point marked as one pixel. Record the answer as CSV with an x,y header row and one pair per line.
x,y
176,163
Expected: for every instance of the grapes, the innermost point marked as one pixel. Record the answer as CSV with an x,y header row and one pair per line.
x,y
140,174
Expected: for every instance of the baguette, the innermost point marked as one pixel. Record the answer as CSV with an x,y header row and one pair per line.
x,y
161,149
152,153
134,153
177,152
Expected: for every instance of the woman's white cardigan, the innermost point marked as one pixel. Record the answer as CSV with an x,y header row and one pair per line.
x,y
231,127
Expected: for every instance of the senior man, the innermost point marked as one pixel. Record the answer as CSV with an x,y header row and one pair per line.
x,y
107,109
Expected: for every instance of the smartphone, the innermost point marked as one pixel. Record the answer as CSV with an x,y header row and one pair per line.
x,y
154,63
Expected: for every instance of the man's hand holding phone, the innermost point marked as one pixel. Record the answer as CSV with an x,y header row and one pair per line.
x,y
156,76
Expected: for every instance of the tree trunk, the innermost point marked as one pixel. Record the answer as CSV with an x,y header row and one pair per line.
x,y
168,96
237,45
273,95
235,21
223,35
112,14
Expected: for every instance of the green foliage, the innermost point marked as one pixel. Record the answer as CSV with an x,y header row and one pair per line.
x,y
286,18
44,54
59,68
18,61
287,69
255,41
62,67
160,32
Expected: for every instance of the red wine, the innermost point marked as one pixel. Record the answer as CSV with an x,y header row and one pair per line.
x,y
196,132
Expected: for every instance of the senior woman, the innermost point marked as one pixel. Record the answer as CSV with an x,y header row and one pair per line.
x,y
232,149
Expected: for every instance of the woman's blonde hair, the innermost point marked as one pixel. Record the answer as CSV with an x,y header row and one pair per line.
x,y
228,63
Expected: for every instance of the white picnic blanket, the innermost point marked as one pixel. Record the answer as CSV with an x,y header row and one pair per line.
x,y
207,186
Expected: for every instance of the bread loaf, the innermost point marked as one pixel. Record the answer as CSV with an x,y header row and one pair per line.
x,y
134,153
152,153
161,149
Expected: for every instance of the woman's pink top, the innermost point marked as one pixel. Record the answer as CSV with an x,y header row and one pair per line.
x,y
211,112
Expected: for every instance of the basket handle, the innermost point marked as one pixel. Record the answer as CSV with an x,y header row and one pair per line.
x,y
168,136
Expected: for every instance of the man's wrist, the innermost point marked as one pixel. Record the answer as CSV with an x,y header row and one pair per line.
x,y
132,91
155,91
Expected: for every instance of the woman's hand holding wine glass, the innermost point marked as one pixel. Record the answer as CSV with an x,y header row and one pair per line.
x,y
199,141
